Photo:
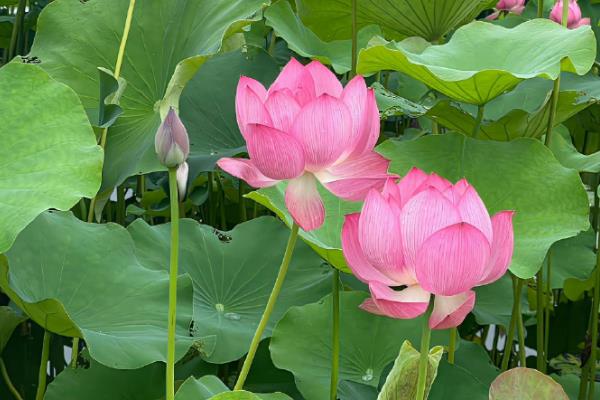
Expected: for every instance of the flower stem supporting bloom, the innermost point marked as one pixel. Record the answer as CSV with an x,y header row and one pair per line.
x,y
509,337
478,120
285,263
520,327
173,266
541,307
354,38
117,73
11,388
452,346
335,335
424,359
41,389
540,9
594,329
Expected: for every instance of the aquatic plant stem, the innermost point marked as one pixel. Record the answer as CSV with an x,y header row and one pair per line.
x,y
12,49
540,300
424,358
520,327
74,352
354,38
117,73
594,330
173,266
540,9
509,336
452,346
478,120
285,263
42,375
11,388
335,334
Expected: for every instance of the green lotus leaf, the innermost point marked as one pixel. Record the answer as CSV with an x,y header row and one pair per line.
x,y
401,382
430,19
49,154
494,302
167,43
572,259
522,112
326,240
233,277
9,320
390,104
210,387
507,177
570,383
207,105
526,384
536,48
564,150
303,41
468,378
85,280
301,343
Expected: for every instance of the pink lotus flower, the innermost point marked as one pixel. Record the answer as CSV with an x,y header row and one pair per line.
x,y
574,19
430,237
307,128
509,6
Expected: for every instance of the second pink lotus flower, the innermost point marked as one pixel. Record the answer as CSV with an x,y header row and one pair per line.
x,y
574,18
426,236
306,128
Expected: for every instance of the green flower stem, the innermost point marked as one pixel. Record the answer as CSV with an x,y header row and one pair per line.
x,y
285,263
41,389
540,9
74,352
354,38
452,346
594,329
221,201
510,335
242,202
11,388
121,204
520,326
117,73
478,120
547,307
16,31
335,335
211,200
540,300
173,264
583,381
424,359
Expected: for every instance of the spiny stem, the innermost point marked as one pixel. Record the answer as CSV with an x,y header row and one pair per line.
x,y
285,263
335,335
173,266
424,358
117,73
42,375
520,327
11,388
452,346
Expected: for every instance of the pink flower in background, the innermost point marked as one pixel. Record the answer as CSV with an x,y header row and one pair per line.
x,y
574,19
511,6
307,128
429,237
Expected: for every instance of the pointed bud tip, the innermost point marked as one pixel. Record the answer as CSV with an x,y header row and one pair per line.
x,y
171,141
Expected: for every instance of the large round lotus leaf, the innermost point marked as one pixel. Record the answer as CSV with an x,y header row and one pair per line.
x,y
79,279
469,378
522,112
301,343
102,383
75,37
572,259
526,384
207,105
430,19
564,150
9,319
507,177
326,240
337,53
536,48
233,276
209,387
49,161
494,302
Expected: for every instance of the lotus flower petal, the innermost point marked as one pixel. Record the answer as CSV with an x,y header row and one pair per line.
x,y
322,127
409,302
249,104
365,115
472,210
276,154
295,77
450,311
325,80
452,260
358,263
283,109
244,169
502,247
304,202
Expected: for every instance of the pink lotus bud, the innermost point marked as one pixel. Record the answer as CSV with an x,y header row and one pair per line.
x,y
510,6
182,177
574,19
171,141
432,237
306,128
